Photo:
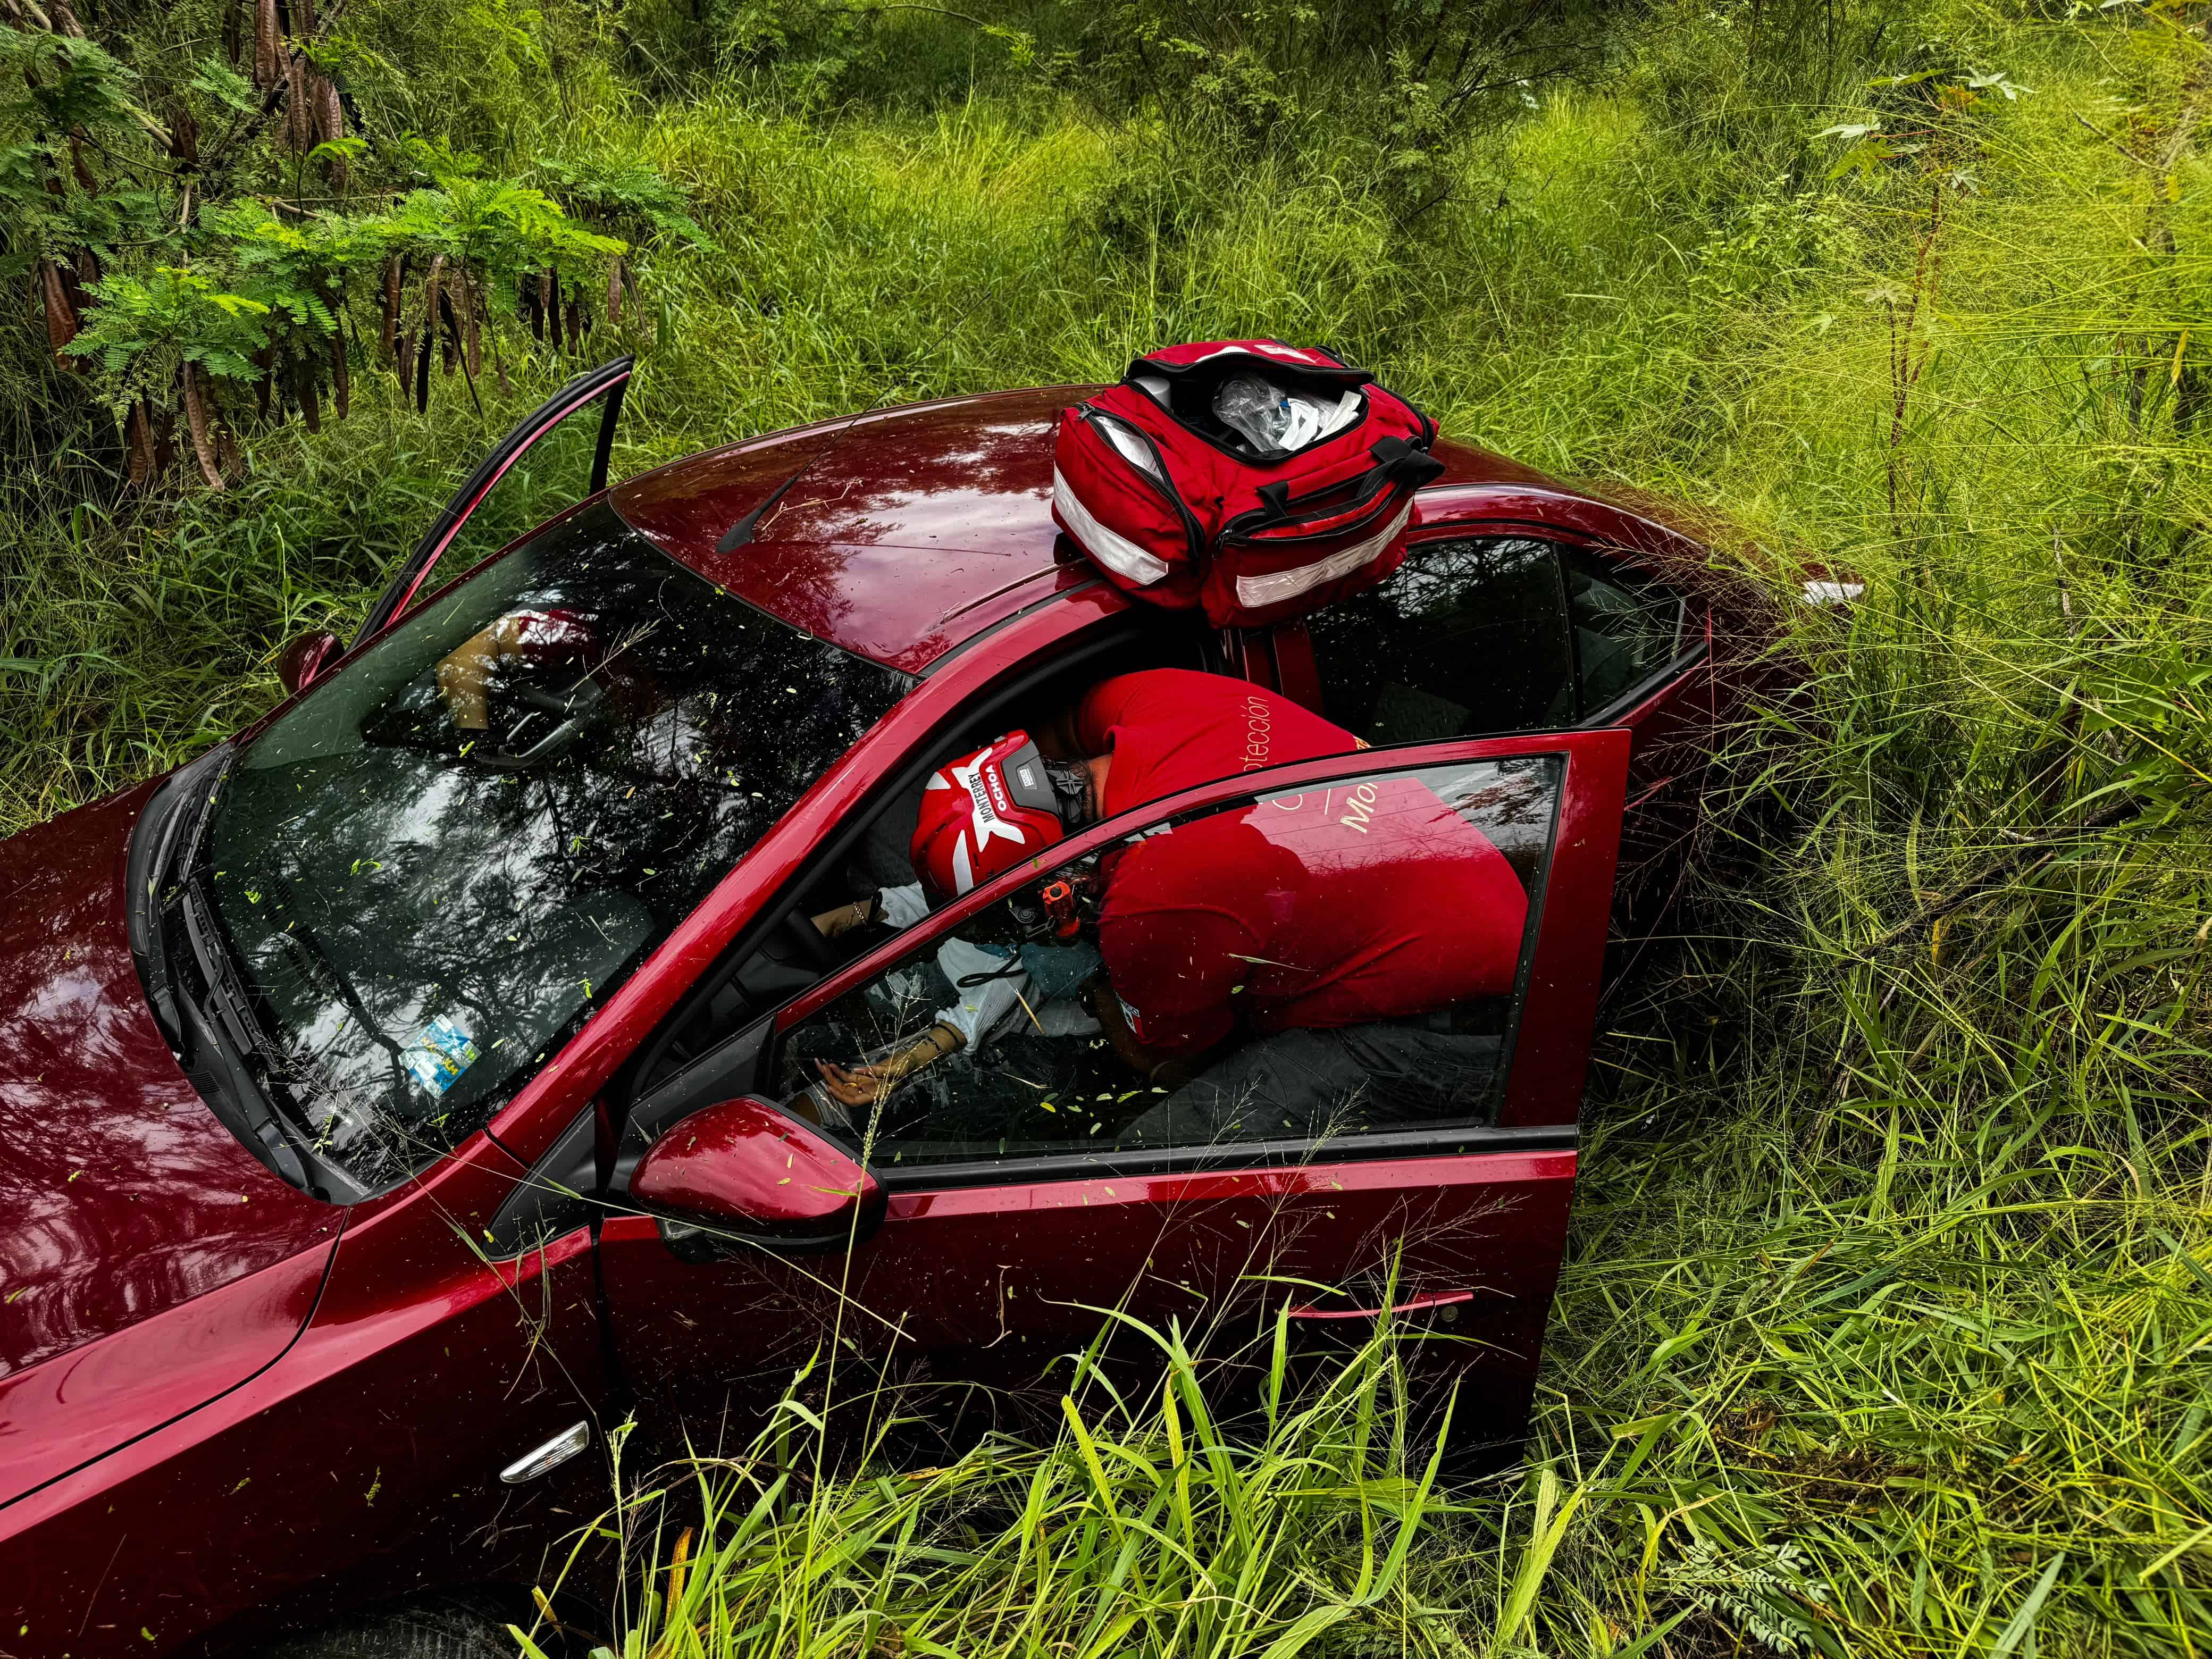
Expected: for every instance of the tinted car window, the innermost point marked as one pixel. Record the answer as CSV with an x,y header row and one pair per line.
x,y
432,867
1469,635
1626,630
1033,1072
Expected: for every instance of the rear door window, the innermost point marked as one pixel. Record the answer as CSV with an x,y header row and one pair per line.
x,y
1626,630
1469,636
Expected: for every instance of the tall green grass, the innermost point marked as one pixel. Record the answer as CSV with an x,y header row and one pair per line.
x,y
1889,1314
1314,1521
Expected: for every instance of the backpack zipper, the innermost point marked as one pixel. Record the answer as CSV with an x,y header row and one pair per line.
x,y
1157,476
1245,526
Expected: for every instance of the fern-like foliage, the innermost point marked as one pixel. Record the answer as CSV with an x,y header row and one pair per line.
x,y
194,245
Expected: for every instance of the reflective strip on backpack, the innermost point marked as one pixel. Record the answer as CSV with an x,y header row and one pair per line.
x,y
1120,554
1254,591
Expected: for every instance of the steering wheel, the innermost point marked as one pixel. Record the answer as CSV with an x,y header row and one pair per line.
x,y
798,931
575,706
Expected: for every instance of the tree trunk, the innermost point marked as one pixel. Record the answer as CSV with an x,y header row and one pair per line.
x,y
86,180
234,33
201,423
575,322
614,290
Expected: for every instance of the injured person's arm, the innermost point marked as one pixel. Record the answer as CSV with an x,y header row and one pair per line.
x,y
864,1086
990,987
835,924
897,906
996,989
464,674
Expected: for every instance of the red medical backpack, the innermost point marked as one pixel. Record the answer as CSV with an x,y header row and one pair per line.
x,y
1179,508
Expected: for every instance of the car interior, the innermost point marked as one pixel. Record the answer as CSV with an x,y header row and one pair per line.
x,y
1046,1081
1486,633
1532,635
711,1046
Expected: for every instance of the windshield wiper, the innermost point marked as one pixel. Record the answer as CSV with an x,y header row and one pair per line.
x,y
224,1033
155,845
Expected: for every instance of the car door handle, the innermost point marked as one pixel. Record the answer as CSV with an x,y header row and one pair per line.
x,y
1415,1305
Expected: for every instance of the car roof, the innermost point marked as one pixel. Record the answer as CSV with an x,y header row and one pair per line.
x,y
899,534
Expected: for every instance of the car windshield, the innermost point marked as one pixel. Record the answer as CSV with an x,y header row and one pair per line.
x,y
433,867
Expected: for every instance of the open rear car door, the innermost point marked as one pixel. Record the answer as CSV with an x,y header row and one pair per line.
x,y
1012,1193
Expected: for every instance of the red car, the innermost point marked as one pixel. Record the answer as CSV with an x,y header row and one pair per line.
x,y
392,1095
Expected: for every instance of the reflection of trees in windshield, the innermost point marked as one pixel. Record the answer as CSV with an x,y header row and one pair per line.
x,y
427,907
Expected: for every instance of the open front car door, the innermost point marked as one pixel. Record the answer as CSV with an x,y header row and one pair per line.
x,y
973,1219
603,385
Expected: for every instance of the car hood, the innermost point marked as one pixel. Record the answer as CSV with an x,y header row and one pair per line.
x,y
122,1196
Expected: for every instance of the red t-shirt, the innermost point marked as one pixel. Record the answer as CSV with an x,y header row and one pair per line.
x,y
1171,729
1335,907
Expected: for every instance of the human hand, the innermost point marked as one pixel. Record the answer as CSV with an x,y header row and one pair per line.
x,y
863,1085
857,1085
464,676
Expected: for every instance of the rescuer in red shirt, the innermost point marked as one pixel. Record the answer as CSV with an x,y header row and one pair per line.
x,y
1329,930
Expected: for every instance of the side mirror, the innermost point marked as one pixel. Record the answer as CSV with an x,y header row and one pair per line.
x,y
746,1162
303,659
